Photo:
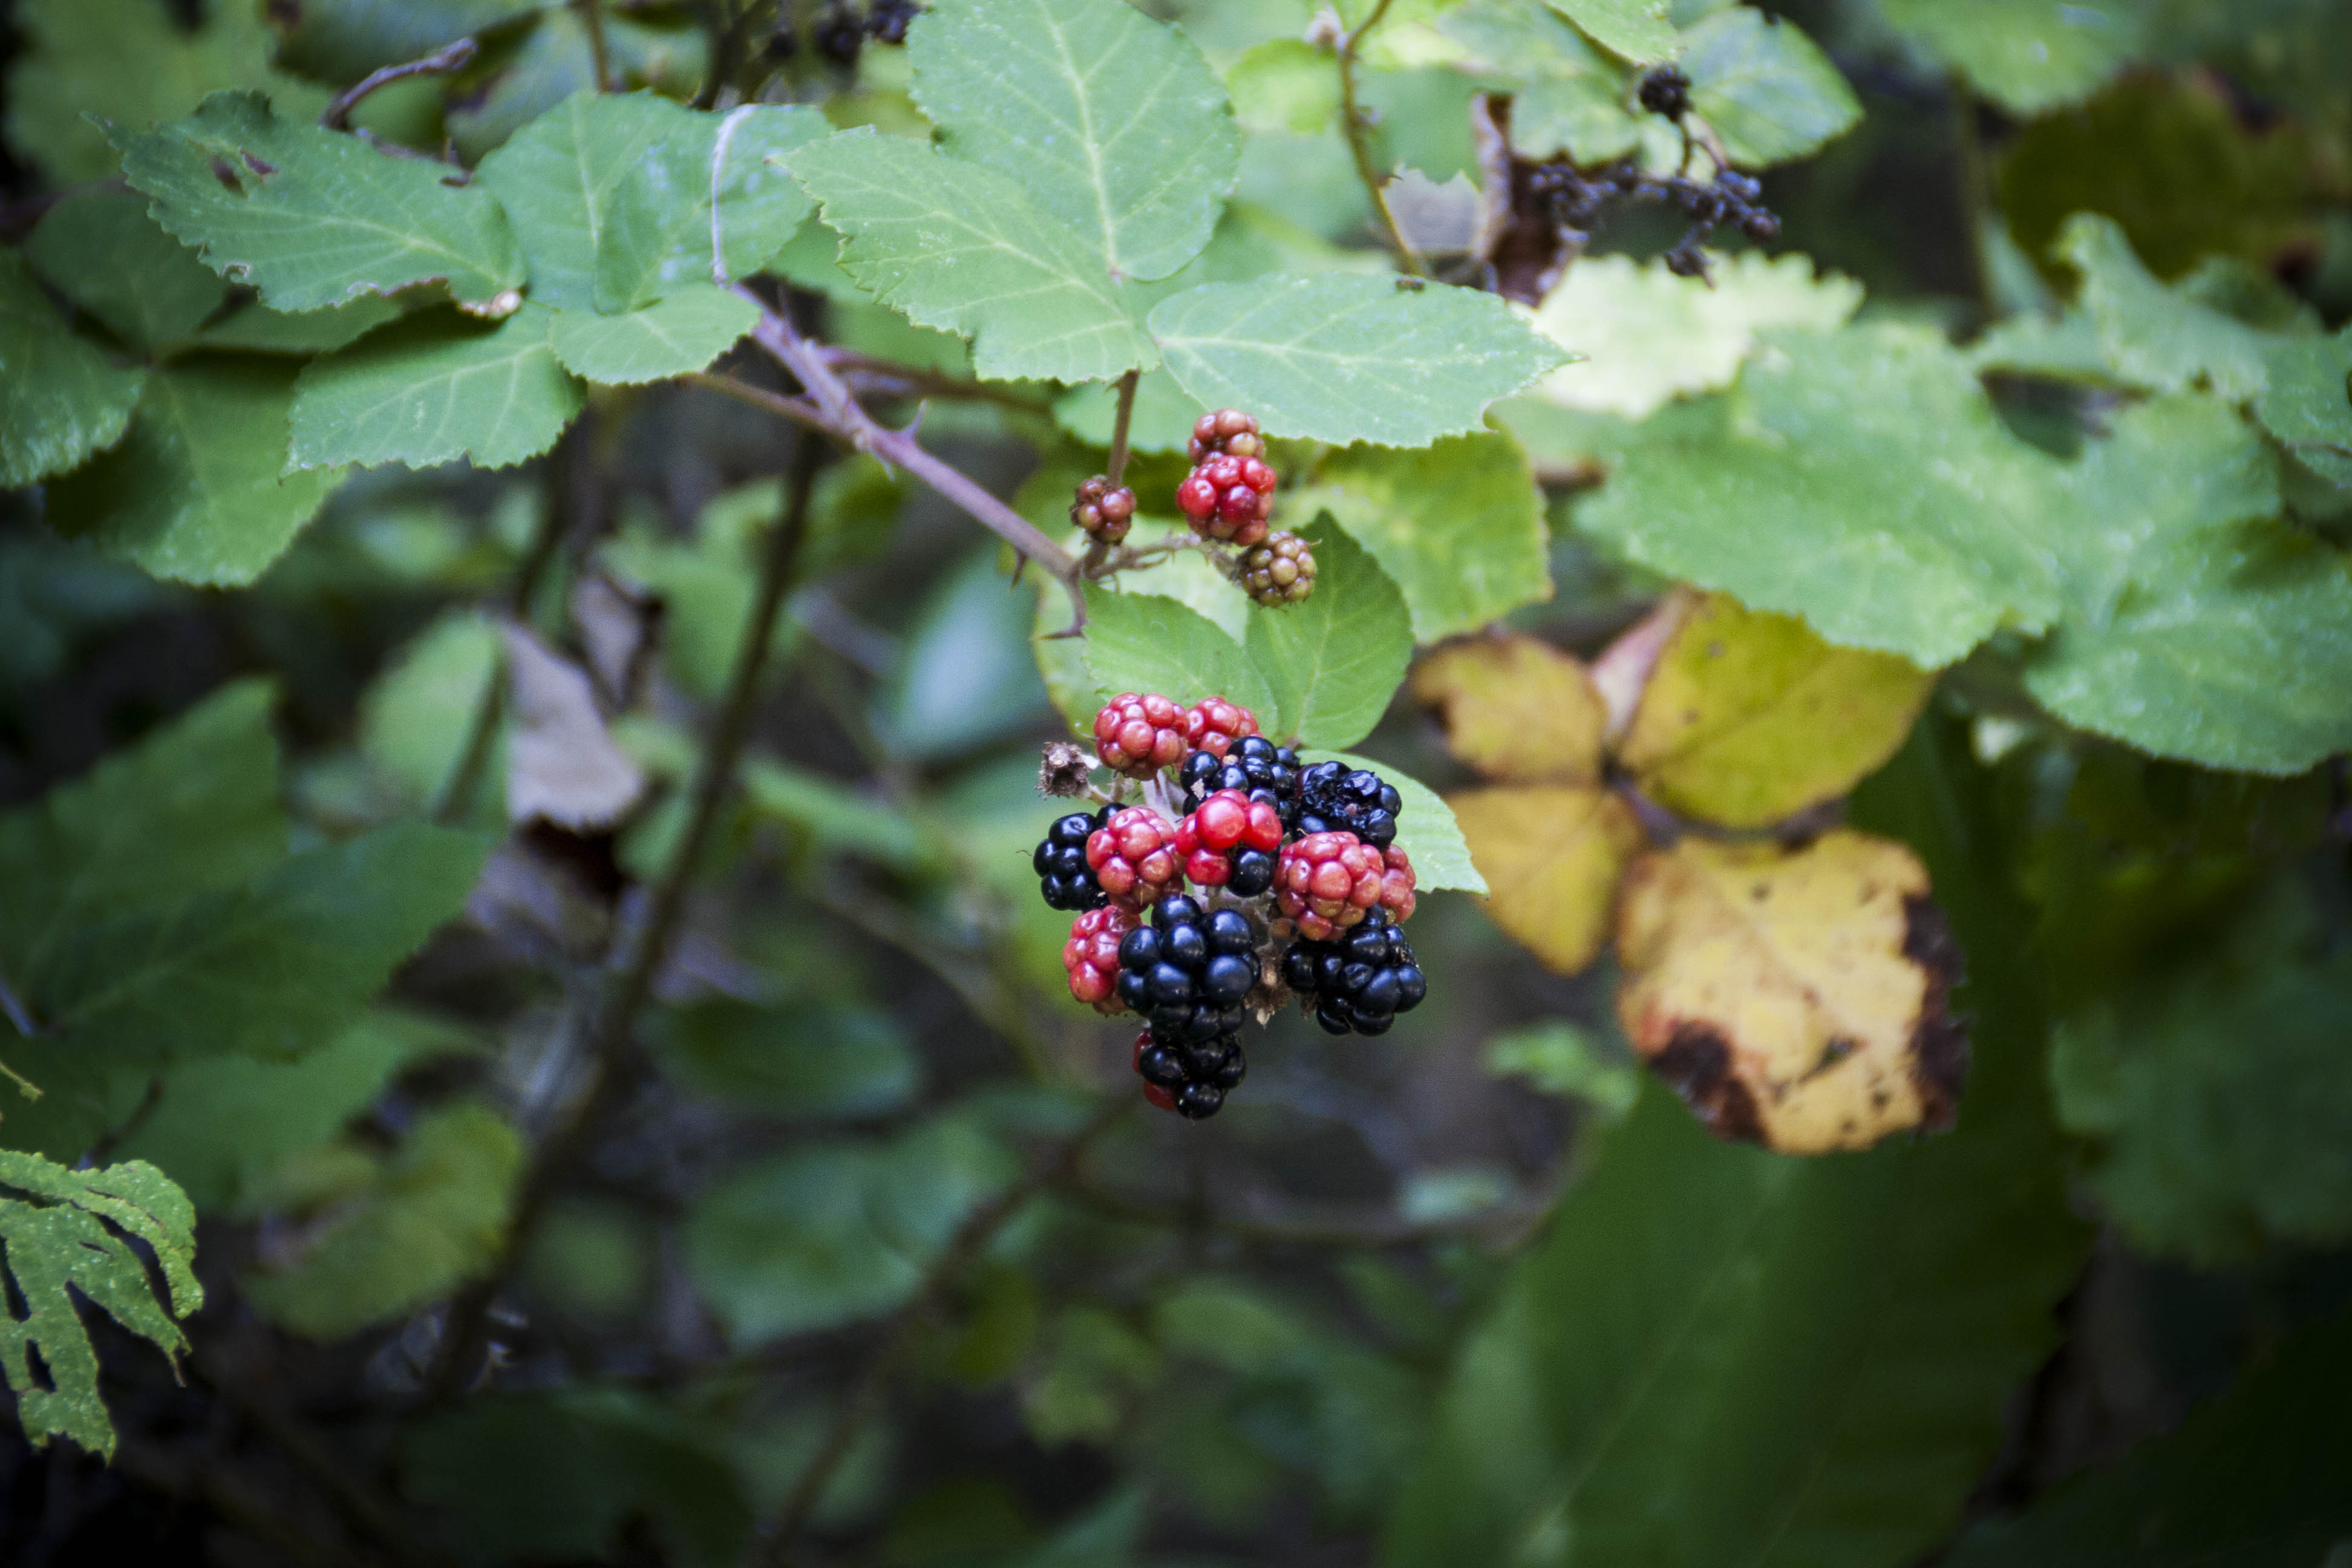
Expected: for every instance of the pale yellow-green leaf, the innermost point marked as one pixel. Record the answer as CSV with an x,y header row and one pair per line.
x,y
1552,856
1516,707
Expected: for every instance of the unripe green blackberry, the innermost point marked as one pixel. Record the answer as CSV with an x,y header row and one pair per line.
x,y
1278,572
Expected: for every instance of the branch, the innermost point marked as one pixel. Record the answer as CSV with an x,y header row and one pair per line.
x,y
893,379
1118,427
463,1341
336,115
1296,1230
1351,116
591,16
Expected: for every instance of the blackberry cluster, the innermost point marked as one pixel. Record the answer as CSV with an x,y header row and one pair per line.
x,y
1063,876
841,31
886,20
1362,981
1667,90
1576,201
1332,799
1230,491
1253,765
1190,1080
1187,972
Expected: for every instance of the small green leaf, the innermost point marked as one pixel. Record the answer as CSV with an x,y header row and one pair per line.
x,y
1143,643
674,336
1458,526
1110,121
311,218
100,250
59,398
1285,85
1642,31
417,718
432,387
53,1244
2028,55
1335,659
2154,336
1346,358
961,248
196,492
1426,830
1768,90
559,176
2306,402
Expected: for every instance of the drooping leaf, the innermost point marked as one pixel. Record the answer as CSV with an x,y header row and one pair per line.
x,y
1458,526
674,336
1110,121
62,1242
1749,718
311,218
100,250
433,388
1645,336
1927,524
1342,359
1426,830
1335,659
1768,90
1143,643
197,491
2028,55
2198,624
2306,402
434,1216
59,398
1551,857
1643,31
962,247
2154,336
1517,708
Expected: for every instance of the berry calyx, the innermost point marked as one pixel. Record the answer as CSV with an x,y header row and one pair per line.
x,y
1213,724
1091,956
1103,513
1065,879
1359,981
1278,571
1139,735
1332,798
1133,856
1326,883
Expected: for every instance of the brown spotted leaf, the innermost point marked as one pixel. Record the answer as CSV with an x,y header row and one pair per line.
x,y
1795,998
1516,707
1552,857
1749,718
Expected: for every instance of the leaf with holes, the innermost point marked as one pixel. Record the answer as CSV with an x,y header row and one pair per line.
x,y
433,388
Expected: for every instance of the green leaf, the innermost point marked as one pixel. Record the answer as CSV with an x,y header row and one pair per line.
x,y
2028,55
205,974
961,248
258,329
674,336
77,57
1640,30
1426,830
2306,402
59,398
558,177
1335,659
1927,525
417,718
836,817
2065,347
1458,526
2155,336
1722,1355
1285,85
799,1061
555,58
1161,420
433,1216
1143,643
52,1245
2197,626
433,388
196,492
2253,1478
312,218
1768,90
1110,121
1343,359
964,676
100,250
1642,336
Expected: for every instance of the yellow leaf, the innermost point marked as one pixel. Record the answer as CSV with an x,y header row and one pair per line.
x,y
1749,718
1794,997
1552,857
1516,707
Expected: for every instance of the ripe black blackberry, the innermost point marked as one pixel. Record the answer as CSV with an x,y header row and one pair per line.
x,y
1359,981
839,34
888,19
1667,90
1253,765
1191,1080
1065,879
1188,971
1332,799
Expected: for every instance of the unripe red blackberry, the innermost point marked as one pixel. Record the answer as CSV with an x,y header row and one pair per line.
x,y
1213,724
1225,826
1396,885
1133,857
1230,490
1104,513
1091,956
1139,735
1325,882
1279,571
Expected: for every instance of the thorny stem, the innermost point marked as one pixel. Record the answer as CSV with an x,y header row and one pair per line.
x,y
904,1326
1351,115
1119,426
591,16
336,115
462,1343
